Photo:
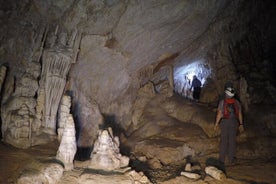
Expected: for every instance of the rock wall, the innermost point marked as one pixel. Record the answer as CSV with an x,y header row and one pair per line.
x,y
123,45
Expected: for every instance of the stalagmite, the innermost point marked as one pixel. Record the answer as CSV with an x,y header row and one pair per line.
x,y
64,113
106,154
68,146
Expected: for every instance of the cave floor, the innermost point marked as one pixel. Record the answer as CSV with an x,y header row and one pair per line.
x,y
13,160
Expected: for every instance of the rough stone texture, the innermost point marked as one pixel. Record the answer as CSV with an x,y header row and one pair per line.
x,y
3,71
127,178
125,45
45,173
106,153
123,39
88,119
56,63
68,145
215,173
64,114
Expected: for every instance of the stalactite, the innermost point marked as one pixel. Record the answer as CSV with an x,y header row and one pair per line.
x,y
56,65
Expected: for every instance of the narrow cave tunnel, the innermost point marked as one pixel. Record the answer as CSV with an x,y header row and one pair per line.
x,y
183,77
101,91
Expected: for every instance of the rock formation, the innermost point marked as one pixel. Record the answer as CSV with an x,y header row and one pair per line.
x,y
64,114
106,153
128,47
68,146
56,61
3,71
18,107
44,173
215,173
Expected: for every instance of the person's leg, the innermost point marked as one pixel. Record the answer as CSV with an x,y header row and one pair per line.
x,y
196,93
232,140
223,141
199,91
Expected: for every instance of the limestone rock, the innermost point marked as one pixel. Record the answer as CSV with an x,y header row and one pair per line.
x,y
47,173
106,154
215,173
138,177
154,163
190,175
145,94
26,86
17,116
56,63
68,146
3,71
188,167
131,177
64,113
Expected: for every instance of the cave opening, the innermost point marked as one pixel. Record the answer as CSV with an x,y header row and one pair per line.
x,y
183,77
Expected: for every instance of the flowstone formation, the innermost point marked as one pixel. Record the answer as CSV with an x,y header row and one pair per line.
x,y
57,61
106,153
18,107
31,95
30,99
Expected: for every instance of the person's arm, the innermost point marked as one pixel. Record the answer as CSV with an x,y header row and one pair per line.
x,y
219,114
192,85
218,117
241,128
240,118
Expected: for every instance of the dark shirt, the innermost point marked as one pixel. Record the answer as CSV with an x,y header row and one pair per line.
x,y
196,83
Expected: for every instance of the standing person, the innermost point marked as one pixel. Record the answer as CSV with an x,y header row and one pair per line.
x,y
196,84
229,118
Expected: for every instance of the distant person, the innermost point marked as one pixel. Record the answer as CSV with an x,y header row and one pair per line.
x,y
196,85
228,118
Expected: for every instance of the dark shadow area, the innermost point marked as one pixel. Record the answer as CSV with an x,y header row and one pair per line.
x,y
54,160
102,172
155,175
110,121
216,163
271,55
1,95
166,172
83,153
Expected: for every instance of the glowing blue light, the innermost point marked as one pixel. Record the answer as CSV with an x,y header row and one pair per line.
x,y
183,76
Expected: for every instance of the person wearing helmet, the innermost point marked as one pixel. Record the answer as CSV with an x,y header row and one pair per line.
x,y
196,85
228,118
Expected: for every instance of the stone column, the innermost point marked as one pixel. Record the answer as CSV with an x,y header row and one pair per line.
x,y
68,146
56,64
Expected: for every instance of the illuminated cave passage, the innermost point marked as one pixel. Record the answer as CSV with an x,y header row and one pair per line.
x,y
183,77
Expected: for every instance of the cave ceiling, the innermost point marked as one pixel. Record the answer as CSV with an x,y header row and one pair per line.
x,y
125,43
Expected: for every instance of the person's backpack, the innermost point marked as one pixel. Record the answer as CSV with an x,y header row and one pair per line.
x,y
230,108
